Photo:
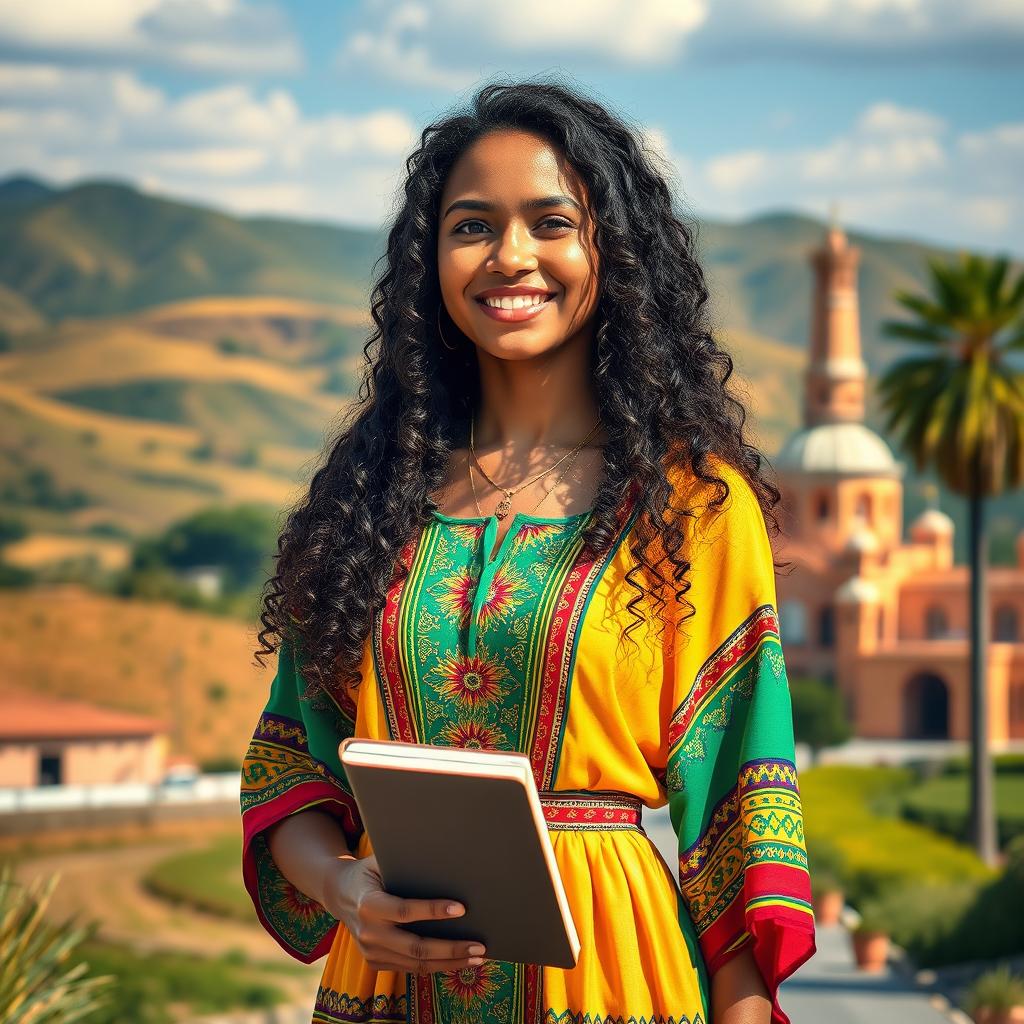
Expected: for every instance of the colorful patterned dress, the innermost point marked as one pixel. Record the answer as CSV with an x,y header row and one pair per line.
x,y
524,652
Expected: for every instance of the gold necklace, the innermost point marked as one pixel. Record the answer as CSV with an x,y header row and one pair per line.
x,y
476,500
506,502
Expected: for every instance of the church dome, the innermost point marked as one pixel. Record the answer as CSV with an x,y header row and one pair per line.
x,y
856,590
837,448
931,523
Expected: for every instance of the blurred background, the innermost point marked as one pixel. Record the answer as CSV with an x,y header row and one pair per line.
x,y
192,194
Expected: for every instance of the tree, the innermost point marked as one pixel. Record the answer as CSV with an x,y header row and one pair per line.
x,y
958,406
819,717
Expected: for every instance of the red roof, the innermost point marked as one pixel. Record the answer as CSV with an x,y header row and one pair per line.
x,y
26,716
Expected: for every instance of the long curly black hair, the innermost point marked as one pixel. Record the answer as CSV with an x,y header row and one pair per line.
x,y
660,379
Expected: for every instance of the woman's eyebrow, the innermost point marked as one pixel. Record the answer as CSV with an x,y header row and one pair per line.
x,y
530,204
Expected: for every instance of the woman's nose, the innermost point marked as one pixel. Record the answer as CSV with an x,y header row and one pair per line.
x,y
513,250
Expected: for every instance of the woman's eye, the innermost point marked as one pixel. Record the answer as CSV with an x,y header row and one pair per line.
x,y
548,223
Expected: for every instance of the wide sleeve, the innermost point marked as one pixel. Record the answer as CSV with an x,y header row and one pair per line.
x,y
731,777
291,765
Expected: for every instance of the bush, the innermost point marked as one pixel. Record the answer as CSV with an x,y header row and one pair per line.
x,y
38,981
819,717
941,804
841,807
957,921
147,985
999,989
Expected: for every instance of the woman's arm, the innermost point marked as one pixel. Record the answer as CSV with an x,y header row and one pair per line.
x,y
305,846
310,851
738,992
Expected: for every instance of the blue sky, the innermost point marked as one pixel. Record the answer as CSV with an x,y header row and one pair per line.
x,y
908,113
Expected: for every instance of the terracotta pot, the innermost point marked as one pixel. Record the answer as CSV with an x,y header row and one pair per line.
x,y
986,1015
828,906
871,950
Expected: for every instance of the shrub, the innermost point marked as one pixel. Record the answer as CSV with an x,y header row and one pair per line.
x,y
38,983
819,717
997,989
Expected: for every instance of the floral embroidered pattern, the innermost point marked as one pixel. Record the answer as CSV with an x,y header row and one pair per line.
x,y
479,654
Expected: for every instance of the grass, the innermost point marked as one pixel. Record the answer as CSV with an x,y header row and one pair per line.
x,y
153,988
208,880
942,803
856,810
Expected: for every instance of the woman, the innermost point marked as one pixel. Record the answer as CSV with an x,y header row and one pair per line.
x,y
542,530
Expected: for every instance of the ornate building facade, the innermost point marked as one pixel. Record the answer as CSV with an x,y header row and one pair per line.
x,y
884,617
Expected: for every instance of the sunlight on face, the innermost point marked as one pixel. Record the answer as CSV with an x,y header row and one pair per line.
x,y
514,215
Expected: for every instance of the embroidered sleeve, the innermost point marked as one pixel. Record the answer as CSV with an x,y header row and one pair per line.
x,y
285,771
731,778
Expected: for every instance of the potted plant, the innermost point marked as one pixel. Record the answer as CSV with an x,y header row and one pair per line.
x,y
996,997
827,897
870,936
825,863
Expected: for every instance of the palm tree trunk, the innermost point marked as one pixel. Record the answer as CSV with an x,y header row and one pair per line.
x,y
983,831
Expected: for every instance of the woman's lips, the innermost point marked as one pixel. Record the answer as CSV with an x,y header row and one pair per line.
x,y
514,315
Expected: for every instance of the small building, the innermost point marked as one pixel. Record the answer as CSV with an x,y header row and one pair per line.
x,y
49,742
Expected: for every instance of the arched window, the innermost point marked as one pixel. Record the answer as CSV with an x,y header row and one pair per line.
x,y
821,506
864,507
936,625
793,622
1006,625
826,626
926,707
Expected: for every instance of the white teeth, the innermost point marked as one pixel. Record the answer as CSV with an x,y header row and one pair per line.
x,y
515,301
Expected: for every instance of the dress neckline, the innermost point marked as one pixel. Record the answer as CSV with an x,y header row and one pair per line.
x,y
515,516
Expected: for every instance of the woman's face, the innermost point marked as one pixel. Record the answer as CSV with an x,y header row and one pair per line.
x,y
514,229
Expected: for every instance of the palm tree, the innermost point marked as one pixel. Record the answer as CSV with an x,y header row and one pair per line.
x,y
959,406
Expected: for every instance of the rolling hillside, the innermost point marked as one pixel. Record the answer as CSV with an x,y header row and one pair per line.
x,y
156,356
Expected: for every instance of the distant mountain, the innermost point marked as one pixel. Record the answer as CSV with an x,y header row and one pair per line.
x,y
22,190
103,248
156,355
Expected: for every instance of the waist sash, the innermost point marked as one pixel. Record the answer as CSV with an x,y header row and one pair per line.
x,y
586,809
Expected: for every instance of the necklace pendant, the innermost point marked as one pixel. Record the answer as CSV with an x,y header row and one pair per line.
x,y
503,507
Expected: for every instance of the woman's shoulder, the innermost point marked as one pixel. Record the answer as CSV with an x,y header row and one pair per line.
x,y
704,496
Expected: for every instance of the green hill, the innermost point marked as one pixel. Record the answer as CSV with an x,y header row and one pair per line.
x,y
156,355
102,248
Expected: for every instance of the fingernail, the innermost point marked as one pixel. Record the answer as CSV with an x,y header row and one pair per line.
x,y
454,908
474,960
476,950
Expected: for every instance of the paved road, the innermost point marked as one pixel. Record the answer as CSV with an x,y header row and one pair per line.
x,y
830,988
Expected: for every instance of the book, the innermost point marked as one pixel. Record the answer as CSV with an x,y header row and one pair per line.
x,y
465,825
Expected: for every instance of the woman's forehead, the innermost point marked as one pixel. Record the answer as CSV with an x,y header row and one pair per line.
x,y
509,163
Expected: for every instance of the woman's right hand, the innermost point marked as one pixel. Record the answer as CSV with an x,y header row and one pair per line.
x,y
354,894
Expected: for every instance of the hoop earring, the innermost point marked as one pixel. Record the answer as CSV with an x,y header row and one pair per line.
x,y
440,333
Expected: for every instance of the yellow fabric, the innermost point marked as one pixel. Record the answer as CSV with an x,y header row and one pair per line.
x,y
640,960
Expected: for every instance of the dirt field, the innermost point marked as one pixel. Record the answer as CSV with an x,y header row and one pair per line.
x,y
105,886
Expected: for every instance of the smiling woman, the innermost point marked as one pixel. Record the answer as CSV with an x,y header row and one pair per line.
x,y
545,459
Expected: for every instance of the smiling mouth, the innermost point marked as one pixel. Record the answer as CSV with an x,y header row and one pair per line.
x,y
515,301
514,308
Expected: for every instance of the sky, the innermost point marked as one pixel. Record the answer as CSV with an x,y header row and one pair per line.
x,y
907,114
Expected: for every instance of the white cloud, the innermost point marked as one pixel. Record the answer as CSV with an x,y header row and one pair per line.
x,y
221,36
250,151
895,169
450,45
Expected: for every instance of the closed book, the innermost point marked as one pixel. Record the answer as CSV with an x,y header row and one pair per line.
x,y
466,825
